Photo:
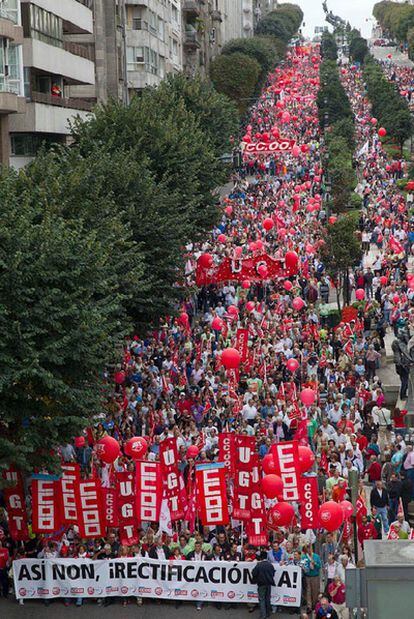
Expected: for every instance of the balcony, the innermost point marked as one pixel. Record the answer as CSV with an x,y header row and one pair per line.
x,y
58,61
72,103
10,103
191,41
45,118
191,7
77,15
9,30
84,51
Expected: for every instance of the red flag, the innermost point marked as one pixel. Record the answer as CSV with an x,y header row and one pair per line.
x,y
309,505
91,517
110,507
286,457
45,505
237,270
245,452
256,525
242,339
170,474
125,498
15,506
128,535
227,451
148,491
211,492
69,493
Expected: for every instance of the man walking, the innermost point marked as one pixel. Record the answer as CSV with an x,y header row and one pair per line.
x,y
379,499
263,576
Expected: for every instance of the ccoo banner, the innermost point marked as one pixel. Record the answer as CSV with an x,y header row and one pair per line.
x,y
206,581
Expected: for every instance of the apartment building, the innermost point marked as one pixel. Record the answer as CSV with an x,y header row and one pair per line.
x,y
208,25
261,7
153,41
11,71
53,64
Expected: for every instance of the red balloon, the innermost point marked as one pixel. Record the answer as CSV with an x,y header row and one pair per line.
x,y
332,219
136,447
246,284
107,449
307,396
232,310
250,305
79,441
193,451
230,358
263,270
347,508
183,319
287,285
228,210
222,238
396,298
373,121
206,261
217,323
298,303
382,132
292,365
272,486
331,515
306,458
383,280
296,151
291,259
268,223
259,245
360,294
268,464
280,515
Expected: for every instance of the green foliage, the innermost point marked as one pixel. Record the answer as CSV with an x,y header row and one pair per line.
x,y
358,49
345,128
329,48
332,100
261,49
236,75
282,23
387,105
395,18
410,41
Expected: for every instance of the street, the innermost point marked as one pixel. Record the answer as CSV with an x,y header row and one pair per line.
x,y
151,610
381,53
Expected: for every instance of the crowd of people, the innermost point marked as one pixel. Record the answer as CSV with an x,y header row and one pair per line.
x,y
172,384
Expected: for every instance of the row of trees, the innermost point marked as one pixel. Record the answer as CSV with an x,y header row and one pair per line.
x,y
241,69
388,106
395,18
92,239
337,121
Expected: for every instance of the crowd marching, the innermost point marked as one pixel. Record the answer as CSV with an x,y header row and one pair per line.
x,y
287,378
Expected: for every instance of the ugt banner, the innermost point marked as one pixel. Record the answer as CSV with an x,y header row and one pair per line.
x,y
204,581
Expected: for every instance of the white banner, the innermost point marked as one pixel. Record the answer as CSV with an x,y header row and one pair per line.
x,y
197,581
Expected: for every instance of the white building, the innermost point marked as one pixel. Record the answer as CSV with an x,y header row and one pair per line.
x,y
53,64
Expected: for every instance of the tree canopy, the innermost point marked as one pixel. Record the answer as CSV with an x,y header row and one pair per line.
x,y
236,75
282,23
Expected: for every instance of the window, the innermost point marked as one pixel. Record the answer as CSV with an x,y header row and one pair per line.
x,y
152,22
175,47
161,29
28,144
135,57
45,26
9,68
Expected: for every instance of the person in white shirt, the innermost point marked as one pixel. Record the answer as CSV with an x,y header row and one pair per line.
x,y
249,411
404,526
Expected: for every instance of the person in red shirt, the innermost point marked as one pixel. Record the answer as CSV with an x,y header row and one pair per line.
x,y
362,441
374,470
399,421
4,564
366,530
336,590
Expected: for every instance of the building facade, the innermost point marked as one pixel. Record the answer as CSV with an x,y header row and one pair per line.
x,y
153,41
262,7
12,99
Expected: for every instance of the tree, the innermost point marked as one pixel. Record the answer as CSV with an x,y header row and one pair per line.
x,y
261,49
329,48
358,49
62,319
282,23
236,75
342,250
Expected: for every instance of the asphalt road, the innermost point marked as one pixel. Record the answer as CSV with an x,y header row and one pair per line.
x,y
149,610
400,59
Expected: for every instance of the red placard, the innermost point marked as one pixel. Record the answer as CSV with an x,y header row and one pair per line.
x,y
245,452
242,340
212,495
15,506
110,506
286,458
227,451
128,535
91,518
69,493
170,475
309,504
45,506
256,525
148,491
125,487
266,148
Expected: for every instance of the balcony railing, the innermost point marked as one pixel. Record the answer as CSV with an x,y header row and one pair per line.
x,y
85,51
191,40
69,102
87,3
10,14
10,85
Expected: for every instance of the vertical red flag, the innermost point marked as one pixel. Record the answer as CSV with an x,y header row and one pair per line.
x,y
245,451
227,451
256,525
309,502
286,458
45,505
91,517
69,493
170,475
15,506
148,491
125,487
242,339
110,506
212,495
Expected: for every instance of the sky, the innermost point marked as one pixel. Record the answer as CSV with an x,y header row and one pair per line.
x,y
354,11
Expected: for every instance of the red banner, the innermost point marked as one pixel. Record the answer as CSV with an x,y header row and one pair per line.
x,y
237,270
110,506
309,505
227,451
267,148
212,495
69,493
245,452
170,475
242,339
91,518
128,535
286,457
125,498
256,525
45,506
16,506
148,491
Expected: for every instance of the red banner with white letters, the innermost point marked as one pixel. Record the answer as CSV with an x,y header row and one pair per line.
x,y
170,475
309,503
227,451
109,498
256,525
69,493
148,491
91,516
267,148
237,270
245,458
211,493
242,340
45,506
125,487
286,458
15,506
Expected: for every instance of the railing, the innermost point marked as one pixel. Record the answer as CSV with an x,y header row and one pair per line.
x,y
191,38
9,85
69,102
77,49
87,3
10,14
